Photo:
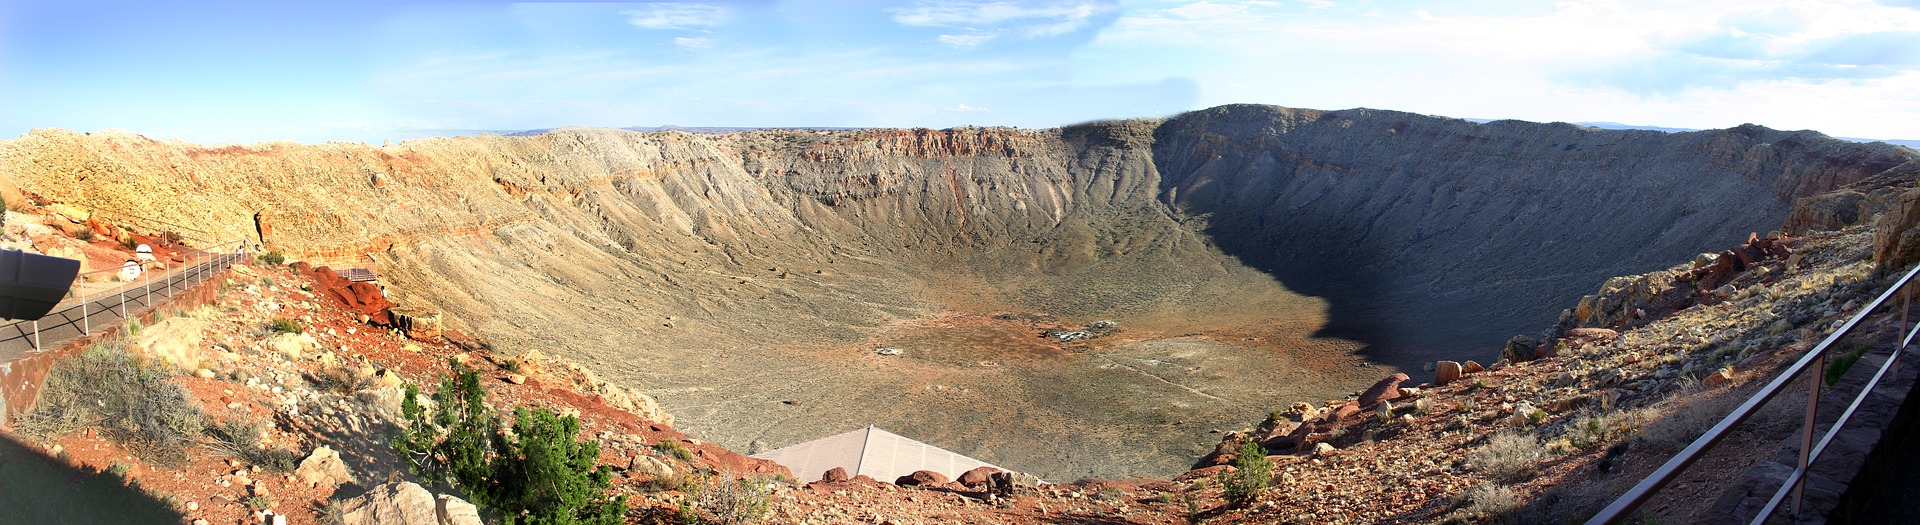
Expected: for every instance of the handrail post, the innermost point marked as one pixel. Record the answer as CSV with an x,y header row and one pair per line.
x,y
1806,434
86,323
36,334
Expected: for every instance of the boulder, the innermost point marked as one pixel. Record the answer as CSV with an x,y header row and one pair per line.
x,y
323,467
397,503
1520,349
294,346
455,511
977,477
835,474
921,477
649,466
1000,484
1386,390
1446,372
1722,377
1344,411
1024,480
1304,411
70,213
1472,367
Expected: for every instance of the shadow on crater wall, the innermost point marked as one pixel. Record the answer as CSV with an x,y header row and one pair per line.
x,y
1436,238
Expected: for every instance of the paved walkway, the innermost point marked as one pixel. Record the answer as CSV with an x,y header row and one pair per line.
x,y
103,309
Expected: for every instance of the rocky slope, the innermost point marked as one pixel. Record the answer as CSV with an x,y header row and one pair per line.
x,y
1252,255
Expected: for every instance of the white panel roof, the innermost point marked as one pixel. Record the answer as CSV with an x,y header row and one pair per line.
x,y
877,453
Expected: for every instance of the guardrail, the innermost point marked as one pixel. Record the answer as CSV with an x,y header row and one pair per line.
x,y
77,318
1814,360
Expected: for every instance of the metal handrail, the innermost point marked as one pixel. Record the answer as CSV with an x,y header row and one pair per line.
x,y
1814,359
195,273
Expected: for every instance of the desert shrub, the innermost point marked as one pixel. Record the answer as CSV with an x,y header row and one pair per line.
x,y
1593,431
1688,421
339,380
130,243
1507,455
273,258
260,502
1840,363
673,448
539,473
1252,472
727,501
286,326
84,234
1492,501
132,403
673,482
239,438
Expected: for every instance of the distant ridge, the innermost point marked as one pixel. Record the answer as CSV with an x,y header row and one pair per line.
x,y
1911,143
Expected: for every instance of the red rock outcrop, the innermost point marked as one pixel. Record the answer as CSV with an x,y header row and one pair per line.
x,y
1386,390
977,477
1710,273
365,298
836,474
921,477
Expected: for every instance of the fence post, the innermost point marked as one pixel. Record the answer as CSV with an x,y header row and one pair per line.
x,y
1806,434
36,334
86,322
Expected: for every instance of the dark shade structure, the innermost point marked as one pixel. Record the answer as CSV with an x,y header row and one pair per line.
x,y
32,284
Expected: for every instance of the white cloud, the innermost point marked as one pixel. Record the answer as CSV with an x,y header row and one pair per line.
x,y
965,40
985,21
965,14
676,16
963,108
1205,9
694,42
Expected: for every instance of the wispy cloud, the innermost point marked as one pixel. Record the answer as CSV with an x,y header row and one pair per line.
x,y
985,21
694,42
676,16
965,40
963,108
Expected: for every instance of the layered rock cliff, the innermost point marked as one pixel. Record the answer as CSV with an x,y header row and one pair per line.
x,y
744,278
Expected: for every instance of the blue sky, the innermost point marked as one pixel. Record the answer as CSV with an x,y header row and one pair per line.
x,y
371,70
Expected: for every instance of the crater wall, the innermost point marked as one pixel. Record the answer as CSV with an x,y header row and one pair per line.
x,y
1255,255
